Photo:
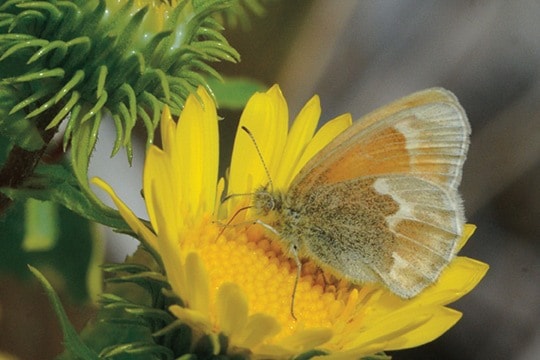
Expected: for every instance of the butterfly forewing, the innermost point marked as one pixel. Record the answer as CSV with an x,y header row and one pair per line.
x,y
425,134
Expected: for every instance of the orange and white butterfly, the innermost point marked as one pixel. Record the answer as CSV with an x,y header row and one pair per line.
x,y
379,204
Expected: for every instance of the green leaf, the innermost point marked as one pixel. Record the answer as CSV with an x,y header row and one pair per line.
x,y
15,127
41,226
83,142
71,339
138,349
123,326
310,354
43,234
233,93
21,132
241,11
57,183
379,356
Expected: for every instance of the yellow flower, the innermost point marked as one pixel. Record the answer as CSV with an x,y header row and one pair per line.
x,y
237,281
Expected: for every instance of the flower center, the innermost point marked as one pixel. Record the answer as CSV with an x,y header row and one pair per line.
x,y
247,256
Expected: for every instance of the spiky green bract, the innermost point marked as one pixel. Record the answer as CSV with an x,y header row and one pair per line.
x,y
134,322
238,13
95,57
88,58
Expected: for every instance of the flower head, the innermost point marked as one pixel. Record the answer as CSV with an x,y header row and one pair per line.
x,y
88,58
236,281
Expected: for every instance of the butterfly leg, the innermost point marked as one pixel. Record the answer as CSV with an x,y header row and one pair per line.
x,y
294,252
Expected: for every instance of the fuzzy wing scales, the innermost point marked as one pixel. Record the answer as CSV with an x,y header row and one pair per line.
x,y
376,229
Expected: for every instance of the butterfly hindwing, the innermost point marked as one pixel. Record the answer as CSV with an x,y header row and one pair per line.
x,y
383,232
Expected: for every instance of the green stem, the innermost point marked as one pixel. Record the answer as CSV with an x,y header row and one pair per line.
x,y
21,163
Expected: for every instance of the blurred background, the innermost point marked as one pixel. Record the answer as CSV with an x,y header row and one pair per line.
x,y
358,55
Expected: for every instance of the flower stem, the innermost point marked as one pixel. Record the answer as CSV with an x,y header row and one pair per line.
x,y
21,163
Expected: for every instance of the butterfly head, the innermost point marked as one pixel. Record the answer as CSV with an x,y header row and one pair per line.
x,y
265,201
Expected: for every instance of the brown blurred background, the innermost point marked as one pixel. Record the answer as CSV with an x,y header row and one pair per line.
x,y
358,55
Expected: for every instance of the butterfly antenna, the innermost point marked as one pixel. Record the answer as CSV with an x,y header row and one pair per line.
x,y
298,273
260,155
230,196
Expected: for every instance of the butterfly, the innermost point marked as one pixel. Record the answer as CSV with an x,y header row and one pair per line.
x,y
380,203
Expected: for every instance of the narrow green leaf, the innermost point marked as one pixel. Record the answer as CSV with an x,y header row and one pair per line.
x,y
138,348
310,354
74,99
59,47
23,45
233,93
38,75
30,100
98,106
103,71
77,78
71,338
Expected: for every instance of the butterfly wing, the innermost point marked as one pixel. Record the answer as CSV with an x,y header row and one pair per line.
x,y
425,134
374,238
384,193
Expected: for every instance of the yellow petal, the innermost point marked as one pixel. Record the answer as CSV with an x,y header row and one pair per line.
x,y
299,136
197,284
399,332
266,118
132,220
191,317
197,142
468,231
167,128
440,321
460,277
258,328
157,176
281,121
304,340
232,309
325,134
274,352
388,328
